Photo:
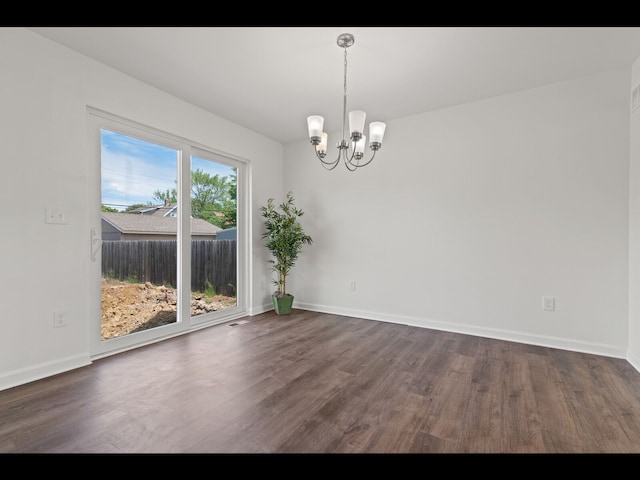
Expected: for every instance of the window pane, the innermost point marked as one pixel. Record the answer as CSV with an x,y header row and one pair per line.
x,y
139,235
213,235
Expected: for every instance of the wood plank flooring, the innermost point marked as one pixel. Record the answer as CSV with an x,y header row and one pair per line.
x,y
319,383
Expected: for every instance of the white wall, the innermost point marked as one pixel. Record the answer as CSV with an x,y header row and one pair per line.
x,y
634,229
44,92
469,215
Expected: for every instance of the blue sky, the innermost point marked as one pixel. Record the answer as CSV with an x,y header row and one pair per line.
x,y
133,169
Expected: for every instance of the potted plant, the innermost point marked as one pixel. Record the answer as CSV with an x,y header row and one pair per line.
x,y
284,238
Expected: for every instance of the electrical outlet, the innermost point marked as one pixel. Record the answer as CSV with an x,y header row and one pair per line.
x,y
549,304
59,318
352,286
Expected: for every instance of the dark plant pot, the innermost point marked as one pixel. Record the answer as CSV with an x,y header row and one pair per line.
x,y
282,304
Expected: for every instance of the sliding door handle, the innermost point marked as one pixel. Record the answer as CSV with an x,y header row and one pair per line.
x,y
96,244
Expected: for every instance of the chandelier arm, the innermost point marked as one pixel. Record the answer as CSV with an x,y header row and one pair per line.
x,y
348,157
327,164
348,160
352,167
358,165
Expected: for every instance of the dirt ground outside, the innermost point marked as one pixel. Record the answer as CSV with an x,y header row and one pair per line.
x,y
134,307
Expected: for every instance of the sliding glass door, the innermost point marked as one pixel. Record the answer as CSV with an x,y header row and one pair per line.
x,y
167,244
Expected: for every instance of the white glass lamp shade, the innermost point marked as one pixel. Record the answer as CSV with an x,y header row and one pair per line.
x,y
322,147
376,132
359,145
315,124
356,121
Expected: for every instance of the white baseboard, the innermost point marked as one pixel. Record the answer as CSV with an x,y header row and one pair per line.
x,y
511,336
634,360
260,309
20,377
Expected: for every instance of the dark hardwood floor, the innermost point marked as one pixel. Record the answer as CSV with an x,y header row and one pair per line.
x,y
319,383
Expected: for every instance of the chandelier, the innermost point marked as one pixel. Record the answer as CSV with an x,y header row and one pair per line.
x,y
351,152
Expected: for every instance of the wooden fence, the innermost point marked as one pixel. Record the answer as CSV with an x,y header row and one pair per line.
x,y
213,262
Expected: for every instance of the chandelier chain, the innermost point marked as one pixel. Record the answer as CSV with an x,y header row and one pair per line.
x,y
344,100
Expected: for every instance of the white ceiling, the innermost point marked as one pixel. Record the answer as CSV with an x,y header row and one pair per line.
x,y
269,79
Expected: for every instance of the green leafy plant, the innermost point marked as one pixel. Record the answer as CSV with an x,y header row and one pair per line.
x,y
284,238
209,292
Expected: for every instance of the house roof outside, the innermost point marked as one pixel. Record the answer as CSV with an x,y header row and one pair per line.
x,y
166,210
155,225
